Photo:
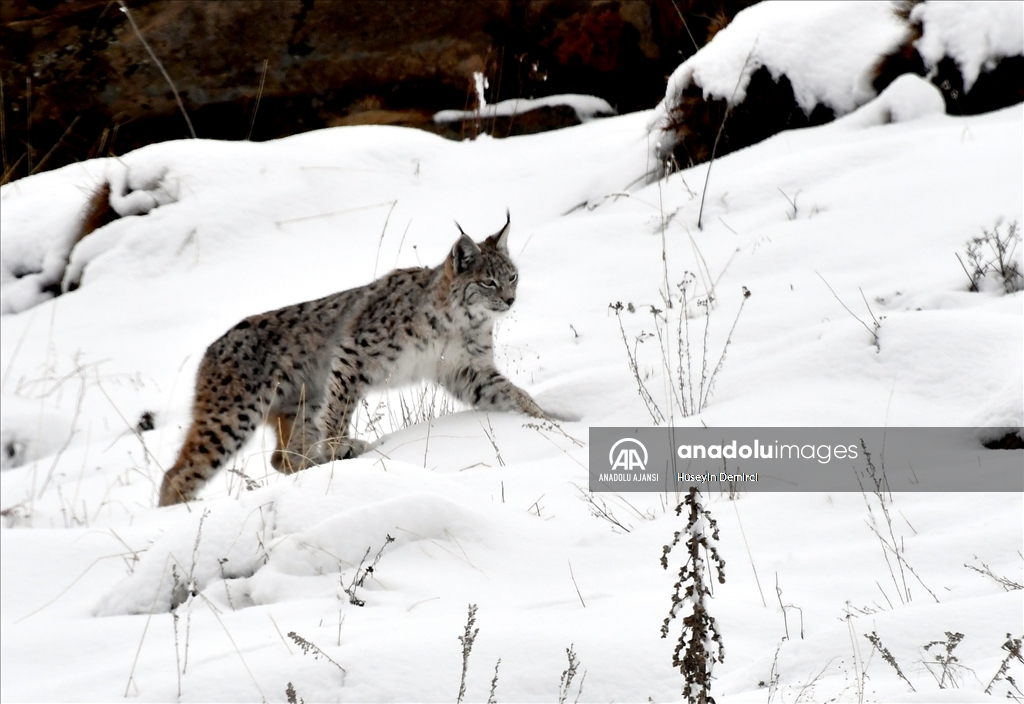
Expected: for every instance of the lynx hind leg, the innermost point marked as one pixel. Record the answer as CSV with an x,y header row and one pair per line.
x,y
191,470
298,443
210,442
283,426
224,415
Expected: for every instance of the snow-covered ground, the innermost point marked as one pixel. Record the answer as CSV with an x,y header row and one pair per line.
x,y
489,509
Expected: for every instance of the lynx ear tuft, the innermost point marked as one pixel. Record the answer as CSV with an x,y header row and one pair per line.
x,y
465,254
499,240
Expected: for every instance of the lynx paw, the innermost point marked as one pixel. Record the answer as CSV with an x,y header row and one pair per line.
x,y
345,449
171,493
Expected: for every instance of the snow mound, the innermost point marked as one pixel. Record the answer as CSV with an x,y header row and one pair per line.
x,y
39,219
44,246
133,191
272,538
826,49
907,98
974,34
190,553
30,429
141,188
350,540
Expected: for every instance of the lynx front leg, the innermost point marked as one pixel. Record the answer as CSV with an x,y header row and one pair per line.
x,y
345,389
488,390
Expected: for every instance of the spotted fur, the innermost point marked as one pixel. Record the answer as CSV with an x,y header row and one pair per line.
x,y
303,368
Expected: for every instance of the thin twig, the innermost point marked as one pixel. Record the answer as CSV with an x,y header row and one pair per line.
x,y
874,333
145,628
235,646
303,218
576,585
749,555
381,241
868,306
721,128
10,171
685,26
28,121
181,106
3,127
259,95
489,432
289,648
664,257
792,201
721,360
57,144
974,285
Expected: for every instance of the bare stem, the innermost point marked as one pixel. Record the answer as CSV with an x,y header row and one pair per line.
x,y
135,27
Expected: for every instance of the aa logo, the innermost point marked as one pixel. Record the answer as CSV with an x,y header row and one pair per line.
x,y
626,455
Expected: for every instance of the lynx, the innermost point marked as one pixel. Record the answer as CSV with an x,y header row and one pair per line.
x,y
303,368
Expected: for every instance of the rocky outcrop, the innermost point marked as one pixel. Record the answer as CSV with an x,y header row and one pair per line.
x,y
807,66
78,82
985,75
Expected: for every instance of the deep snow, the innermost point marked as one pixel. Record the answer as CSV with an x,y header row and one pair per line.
x,y
487,509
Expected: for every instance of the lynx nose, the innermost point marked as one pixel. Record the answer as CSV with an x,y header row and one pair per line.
x,y
509,300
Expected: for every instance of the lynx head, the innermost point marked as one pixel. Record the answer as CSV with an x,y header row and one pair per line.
x,y
483,278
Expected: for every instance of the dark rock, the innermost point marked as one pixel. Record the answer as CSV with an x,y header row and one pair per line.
x,y
769,108
1010,441
994,89
696,124
78,64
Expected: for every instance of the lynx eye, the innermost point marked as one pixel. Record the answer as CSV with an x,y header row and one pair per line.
x,y
512,279
490,283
